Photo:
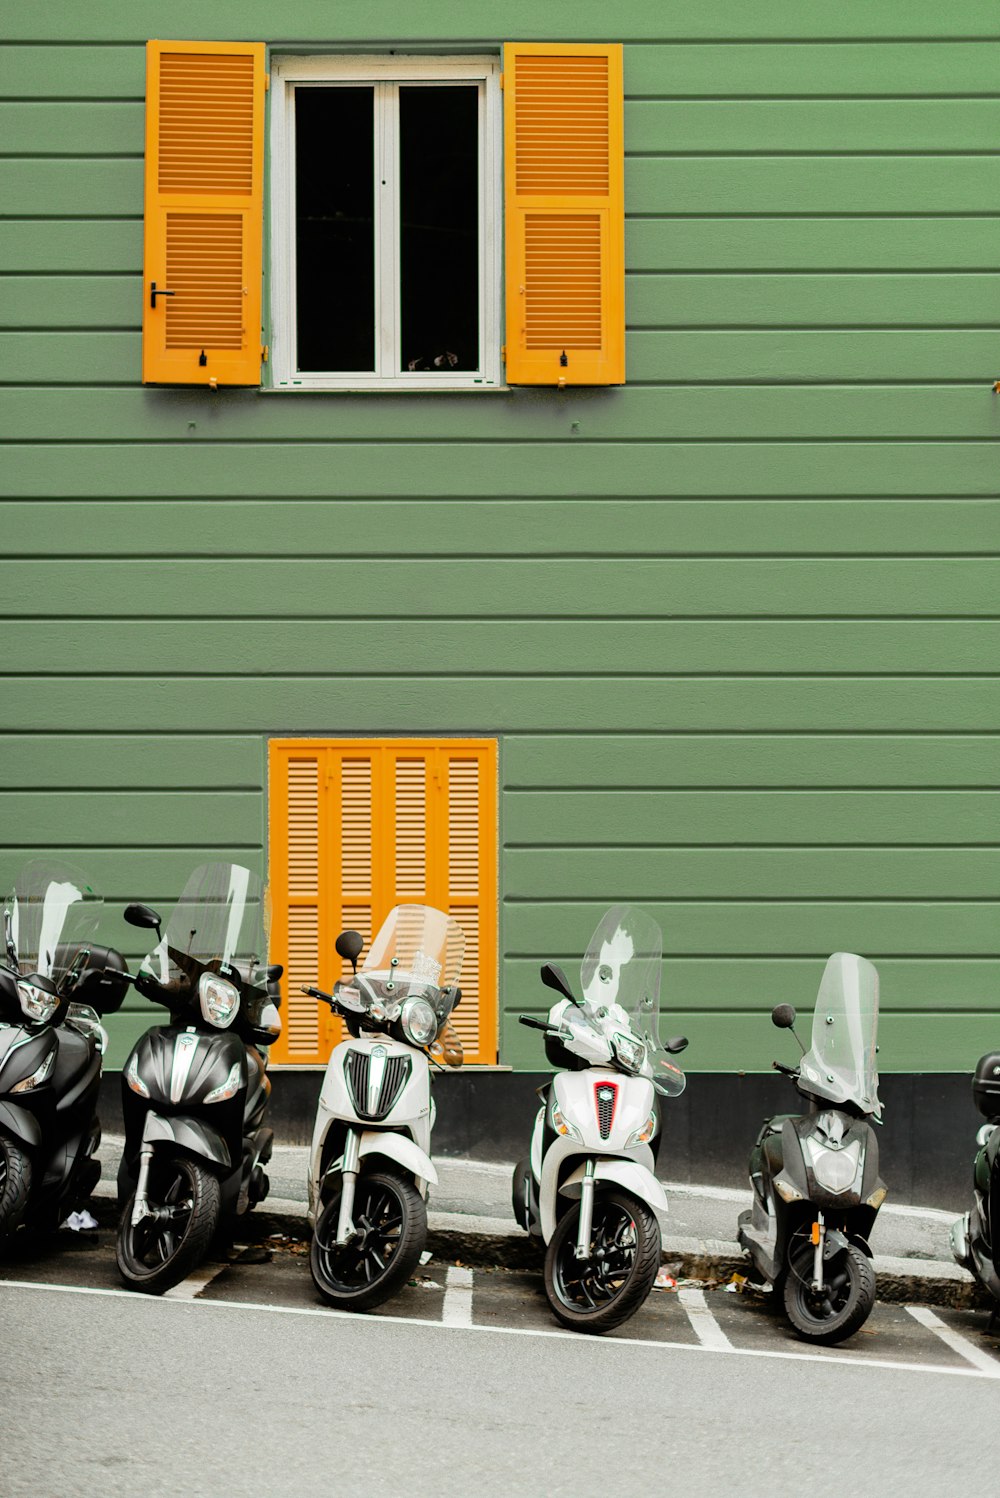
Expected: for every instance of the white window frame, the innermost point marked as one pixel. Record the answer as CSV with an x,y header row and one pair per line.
x,y
286,73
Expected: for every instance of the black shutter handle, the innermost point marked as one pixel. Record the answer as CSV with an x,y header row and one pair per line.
x,y
153,293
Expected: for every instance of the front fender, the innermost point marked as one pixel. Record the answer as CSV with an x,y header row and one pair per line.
x,y
188,1134
627,1174
20,1124
397,1147
640,1158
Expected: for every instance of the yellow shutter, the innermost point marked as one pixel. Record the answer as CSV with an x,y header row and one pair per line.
x,y
564,199
360,825
204,213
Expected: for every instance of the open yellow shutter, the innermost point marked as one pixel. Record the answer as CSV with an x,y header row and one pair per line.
x,y
204,213
564,196
360,825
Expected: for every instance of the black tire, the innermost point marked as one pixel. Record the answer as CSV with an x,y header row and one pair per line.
x,y
162,1250
15,1185
599,1293
843,1306
393,1218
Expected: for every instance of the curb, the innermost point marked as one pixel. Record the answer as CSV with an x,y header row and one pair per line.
x,y
492,1243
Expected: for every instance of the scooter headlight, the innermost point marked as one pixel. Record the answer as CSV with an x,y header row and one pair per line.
x,y
36,1004
229,1088
219,1000
27,1084
133,1078
835,1170
629,1052
643,1135
419,1020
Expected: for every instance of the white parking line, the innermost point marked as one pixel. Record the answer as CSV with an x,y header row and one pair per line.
x,y
513,1331
966,1349
456,1309
195,1282
706,1328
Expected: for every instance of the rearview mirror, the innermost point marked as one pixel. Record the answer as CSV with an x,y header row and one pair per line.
x,y
679,1043
554,977
783,1016
142,915
349,945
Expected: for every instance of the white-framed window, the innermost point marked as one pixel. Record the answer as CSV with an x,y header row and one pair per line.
x,y
385,223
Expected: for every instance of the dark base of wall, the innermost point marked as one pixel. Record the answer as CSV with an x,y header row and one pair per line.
x,y
927,1144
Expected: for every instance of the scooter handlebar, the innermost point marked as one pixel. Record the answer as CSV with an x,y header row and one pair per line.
x,y
317,993
532,1023
787,1071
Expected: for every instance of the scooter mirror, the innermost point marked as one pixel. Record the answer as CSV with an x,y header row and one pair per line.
x,y
349,945
142,915
783,1016
554,977
679,1043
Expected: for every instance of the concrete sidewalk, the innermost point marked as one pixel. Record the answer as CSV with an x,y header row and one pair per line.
x,y
470,1218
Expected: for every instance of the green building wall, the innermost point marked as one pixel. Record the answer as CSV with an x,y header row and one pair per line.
x,y
736,625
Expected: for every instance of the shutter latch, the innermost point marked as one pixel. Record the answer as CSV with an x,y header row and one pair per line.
x,y
154,293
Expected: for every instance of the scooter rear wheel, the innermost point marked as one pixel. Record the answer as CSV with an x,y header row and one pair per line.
x,y
163,1249
840,1308
391,1217
599,1293
15,1184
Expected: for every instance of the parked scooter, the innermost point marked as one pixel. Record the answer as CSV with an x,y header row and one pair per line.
x,y
815,1177
588,1187
195,1091
55,982
370,1165
975,1237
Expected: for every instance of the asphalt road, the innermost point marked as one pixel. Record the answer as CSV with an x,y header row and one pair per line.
x,y
240,1382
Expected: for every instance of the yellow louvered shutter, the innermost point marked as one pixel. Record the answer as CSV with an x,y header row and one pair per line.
x,y
565,214
358,826
204,213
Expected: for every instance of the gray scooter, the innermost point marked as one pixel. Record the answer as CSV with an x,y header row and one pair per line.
x,y
815,1176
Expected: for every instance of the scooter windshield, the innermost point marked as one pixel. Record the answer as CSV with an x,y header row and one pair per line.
x,y
49,915
417,948
622,967
841,1066
218,921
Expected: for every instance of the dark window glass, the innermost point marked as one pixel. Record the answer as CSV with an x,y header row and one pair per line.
x,y
335,228
439,227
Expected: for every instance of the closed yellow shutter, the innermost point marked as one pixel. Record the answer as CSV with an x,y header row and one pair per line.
x,y
358,826
204,213
564,197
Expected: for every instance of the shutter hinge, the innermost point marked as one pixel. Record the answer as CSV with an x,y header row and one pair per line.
x,y
267,82
265,350
501,82
503,352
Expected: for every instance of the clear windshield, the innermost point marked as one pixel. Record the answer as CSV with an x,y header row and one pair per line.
x,y
417,948
622,967
841,1063
219,922
50,914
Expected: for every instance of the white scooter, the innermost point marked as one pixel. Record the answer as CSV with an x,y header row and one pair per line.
x,y
370,1165
588,1187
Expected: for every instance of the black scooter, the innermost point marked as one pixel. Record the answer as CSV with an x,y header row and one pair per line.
x,y
975,1237
55,983
815,1177
195,1091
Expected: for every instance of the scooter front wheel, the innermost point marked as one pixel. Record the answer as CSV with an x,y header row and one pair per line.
x,y
15,1184
843,1305
185,1202
391,1222
599,1293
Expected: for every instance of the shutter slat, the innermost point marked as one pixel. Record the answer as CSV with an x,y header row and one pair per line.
x,y
411,829
203,236
565,211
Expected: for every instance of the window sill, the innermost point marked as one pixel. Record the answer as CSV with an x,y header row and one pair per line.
x,y
417,387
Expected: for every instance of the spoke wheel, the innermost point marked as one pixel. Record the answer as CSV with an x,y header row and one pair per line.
x,y
163,1249
599,1293
843,1305
391,1219
15,1184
